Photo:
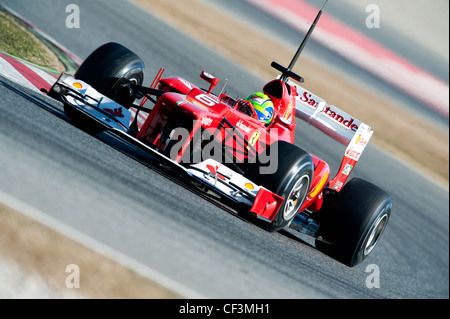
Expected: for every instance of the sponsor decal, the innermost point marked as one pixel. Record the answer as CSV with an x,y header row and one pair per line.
x,y
338,185
206,121
288,112
335,114
339,118
250,186
347,169
243,127
355,150
254,138
353,154
215,171
308,99
116,112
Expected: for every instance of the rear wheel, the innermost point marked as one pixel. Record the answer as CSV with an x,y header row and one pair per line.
x,y
353,221
291,180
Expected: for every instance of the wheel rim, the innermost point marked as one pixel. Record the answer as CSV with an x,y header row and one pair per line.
x,y
296,197
376,232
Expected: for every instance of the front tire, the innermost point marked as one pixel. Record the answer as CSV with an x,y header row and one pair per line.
x,y
110,69
291,180
353,221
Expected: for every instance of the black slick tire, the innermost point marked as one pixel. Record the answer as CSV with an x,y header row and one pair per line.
x,y
353,221
291,180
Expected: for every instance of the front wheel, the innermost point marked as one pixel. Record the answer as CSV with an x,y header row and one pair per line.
x,y
353,221
291,179
110,69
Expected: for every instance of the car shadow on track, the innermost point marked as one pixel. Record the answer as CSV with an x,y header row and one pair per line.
x,y
35,97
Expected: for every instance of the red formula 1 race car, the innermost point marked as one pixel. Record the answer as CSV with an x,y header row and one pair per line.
x,y
216,142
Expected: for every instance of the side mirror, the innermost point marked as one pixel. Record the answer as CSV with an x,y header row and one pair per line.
x,y
210,79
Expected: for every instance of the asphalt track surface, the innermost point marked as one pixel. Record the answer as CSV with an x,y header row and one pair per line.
x,y
115,195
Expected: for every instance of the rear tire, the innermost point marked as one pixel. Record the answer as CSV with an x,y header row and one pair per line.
x,y
291,180
353,221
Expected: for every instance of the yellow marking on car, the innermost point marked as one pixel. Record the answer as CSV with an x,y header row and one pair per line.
x,y
319,186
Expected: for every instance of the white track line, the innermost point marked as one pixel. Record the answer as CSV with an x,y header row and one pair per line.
x,y
97,246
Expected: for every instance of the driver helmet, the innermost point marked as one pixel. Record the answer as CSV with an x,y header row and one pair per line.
x,y
263,106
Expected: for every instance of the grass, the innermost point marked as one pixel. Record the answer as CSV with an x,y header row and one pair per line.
x,y
17,41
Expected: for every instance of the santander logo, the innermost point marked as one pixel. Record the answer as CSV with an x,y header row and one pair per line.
x,y
335,113
309,99
243,127
339,118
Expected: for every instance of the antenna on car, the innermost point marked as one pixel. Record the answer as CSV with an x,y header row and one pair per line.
x,y
287,72
223,89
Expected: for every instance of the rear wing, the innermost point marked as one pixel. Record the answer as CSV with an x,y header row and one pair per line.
x,y
337,124
327,118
